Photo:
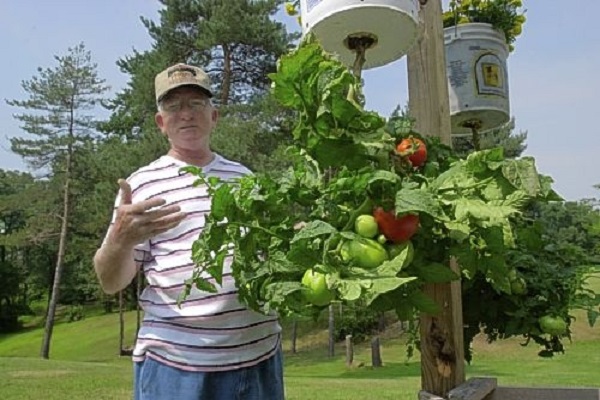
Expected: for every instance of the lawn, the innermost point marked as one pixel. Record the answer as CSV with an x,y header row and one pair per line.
x,y
85,365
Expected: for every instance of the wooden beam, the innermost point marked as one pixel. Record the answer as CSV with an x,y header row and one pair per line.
x,y
442,352
527,393
473,389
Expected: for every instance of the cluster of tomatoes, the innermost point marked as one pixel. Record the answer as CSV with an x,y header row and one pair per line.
x,y
382,234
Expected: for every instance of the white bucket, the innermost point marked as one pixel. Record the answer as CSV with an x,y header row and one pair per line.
x,y
392,23
476,57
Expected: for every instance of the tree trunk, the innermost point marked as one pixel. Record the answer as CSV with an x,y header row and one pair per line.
x,y
294,335
226,86
45,352
331,352
121,324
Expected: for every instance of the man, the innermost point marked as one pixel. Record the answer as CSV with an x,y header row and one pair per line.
x,y
210,347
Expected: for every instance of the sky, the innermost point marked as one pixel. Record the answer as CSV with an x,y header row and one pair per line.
x,y
554,73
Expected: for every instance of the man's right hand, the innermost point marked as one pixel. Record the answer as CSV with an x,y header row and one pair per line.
x,y
136,223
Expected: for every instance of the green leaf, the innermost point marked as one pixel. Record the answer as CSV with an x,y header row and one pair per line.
x,y
383,178
395,265
458,231
423,303
313,230
404,310
418,201
383,285
205,286
222,201
436,273
485,160
523,175
278,262
327,153
349,290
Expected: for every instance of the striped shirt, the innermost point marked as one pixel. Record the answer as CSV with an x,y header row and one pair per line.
x,y
210,331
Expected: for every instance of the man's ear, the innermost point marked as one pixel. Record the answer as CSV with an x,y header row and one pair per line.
x,y
158,118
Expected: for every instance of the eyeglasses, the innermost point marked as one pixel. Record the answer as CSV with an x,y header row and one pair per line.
x,y
196,104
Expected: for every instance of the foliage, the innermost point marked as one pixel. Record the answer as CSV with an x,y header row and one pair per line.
x,y
504,15
54,97
503,136
555,271
58,100
356,321
254,133
236,40
344,165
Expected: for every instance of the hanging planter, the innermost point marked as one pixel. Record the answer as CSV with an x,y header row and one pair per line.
x,y
385,28
478,37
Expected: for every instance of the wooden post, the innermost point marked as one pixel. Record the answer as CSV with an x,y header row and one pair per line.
x,y
442,353
331,350
349,351
376,353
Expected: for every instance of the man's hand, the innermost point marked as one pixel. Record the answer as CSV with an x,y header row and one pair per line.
x,y
136,223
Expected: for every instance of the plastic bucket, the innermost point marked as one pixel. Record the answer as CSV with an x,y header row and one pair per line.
x,y
477,73
393,24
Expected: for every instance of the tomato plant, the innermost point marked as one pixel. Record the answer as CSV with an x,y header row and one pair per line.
x,y
345,164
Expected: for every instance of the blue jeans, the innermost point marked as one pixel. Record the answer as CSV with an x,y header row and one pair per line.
x,y
156,381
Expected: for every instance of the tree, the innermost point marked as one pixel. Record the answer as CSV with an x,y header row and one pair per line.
x,y
59,99
236,40
255,133
513,144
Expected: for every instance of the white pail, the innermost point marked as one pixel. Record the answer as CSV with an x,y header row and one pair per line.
x,y
392,23
477,73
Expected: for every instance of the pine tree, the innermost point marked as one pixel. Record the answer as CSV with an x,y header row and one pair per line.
x,y
58,100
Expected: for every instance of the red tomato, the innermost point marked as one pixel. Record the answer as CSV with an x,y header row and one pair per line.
x,y
414,149
395,229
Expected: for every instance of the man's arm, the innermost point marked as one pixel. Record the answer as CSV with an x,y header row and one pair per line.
x,y
115,266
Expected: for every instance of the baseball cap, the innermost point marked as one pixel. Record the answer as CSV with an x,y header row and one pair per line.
x,y
181,75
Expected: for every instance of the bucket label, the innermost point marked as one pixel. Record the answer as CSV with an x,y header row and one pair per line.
x,y
310,4
458,74
490,75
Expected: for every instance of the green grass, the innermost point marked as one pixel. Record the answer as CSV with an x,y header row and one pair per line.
x,y
85,365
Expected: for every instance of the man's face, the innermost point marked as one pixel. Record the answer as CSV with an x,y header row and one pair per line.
x,y
187,118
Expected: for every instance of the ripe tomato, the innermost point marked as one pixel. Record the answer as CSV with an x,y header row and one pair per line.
x,y
414,149
395,229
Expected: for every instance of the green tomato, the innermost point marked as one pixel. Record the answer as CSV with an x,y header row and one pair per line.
x,y
364,253
553,325
518,286
366,226
316,292
381,239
